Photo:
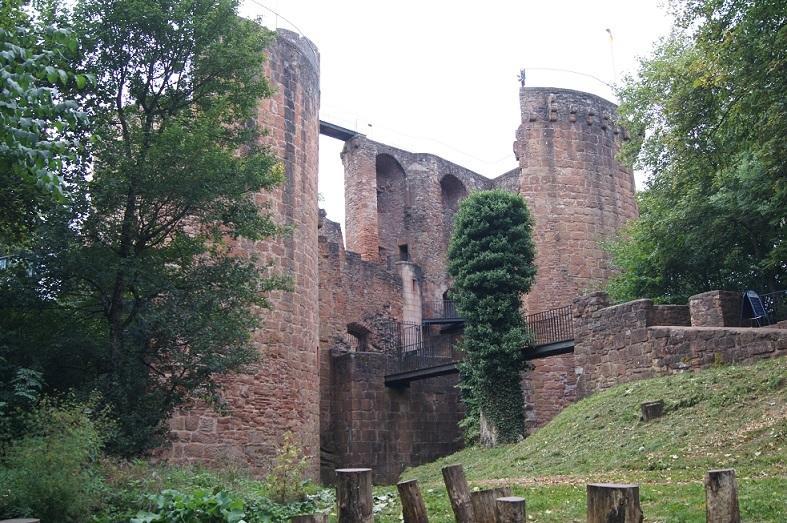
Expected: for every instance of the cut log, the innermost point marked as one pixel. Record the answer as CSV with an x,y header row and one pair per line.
x,y
310,518
721,497
484,503
458,493
413,507
651,410
612,503
510,509
354,495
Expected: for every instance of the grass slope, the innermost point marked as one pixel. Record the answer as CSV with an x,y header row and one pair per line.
x,y
732,416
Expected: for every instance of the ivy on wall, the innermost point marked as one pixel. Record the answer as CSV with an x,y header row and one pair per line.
x,y
491,259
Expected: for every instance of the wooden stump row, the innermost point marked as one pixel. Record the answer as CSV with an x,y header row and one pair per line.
x,y
606,502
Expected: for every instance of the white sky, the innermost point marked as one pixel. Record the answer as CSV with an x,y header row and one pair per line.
x,y
440,76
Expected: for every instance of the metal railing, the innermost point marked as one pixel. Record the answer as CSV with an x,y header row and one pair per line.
x,y
552,326
412,348
775,304
415,350
441,310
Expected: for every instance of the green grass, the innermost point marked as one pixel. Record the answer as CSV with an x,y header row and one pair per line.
x,y
725,417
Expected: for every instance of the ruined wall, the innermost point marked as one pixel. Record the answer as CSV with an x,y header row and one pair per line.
x,y
617,344
716,308
395,198
355,296
282,394
389,428
547,388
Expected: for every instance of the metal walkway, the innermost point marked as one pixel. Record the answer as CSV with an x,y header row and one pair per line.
x,y
417,358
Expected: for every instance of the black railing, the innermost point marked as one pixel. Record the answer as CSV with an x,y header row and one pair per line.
x,y
775,304
441,310
552,326
415,351
412,348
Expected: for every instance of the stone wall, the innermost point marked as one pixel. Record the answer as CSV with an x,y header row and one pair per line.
x,y
387,428
415,212
578,193
547,388
282,392
617,344
716,308
355,295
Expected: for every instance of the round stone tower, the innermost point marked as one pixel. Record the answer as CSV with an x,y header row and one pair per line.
x,y
578,193
579,196
282,394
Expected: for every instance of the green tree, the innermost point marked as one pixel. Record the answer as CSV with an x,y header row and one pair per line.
x,y
708,116
39,118
144,300
490,258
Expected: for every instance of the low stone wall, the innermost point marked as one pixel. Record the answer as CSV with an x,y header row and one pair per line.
x,y
618,344
547,388
678,315
716,309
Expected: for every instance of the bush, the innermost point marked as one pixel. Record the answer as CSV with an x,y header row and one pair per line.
x,y
285,482
52,471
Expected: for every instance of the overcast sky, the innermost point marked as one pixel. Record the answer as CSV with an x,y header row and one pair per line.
x,y
440,77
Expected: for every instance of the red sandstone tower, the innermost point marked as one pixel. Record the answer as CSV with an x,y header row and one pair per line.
x,y
579,196
283,393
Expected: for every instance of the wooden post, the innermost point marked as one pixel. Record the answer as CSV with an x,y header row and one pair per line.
x,y
510,509
458,493
651,410
310,518
484,503
611,502
413,508
354,495
721,497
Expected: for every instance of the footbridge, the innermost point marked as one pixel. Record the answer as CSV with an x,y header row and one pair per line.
x,y
418,356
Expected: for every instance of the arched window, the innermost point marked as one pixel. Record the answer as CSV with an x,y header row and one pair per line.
x,y
391,201
358,337
452,192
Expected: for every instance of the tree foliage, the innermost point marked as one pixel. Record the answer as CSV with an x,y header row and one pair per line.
x,y
39,118
709,119
135,279
490,258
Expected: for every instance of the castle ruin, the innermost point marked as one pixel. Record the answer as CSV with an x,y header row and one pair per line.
x,y
326,346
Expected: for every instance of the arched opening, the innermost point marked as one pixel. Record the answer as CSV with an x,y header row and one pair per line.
x,y
452,192
391,198
358,337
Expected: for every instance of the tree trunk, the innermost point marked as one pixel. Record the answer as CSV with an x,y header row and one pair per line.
x,y
721,497
413,508
458,493
484,502
354,495
610,503
510,509
489,433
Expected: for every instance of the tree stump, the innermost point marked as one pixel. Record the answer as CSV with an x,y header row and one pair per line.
x,y
510,509
611,503
651,410
484,503
721,497
413,507
458,493
354,495
310,518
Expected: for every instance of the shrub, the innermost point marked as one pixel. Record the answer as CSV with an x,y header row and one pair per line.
x,y
199,506
285,482
52,471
